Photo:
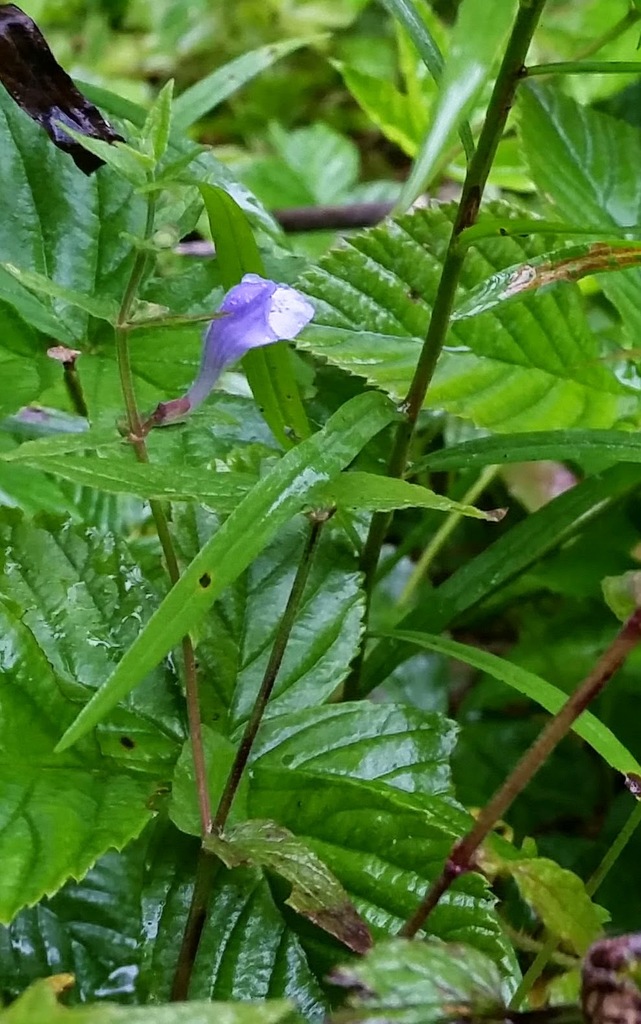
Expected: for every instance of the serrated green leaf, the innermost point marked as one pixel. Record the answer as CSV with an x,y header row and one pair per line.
x,y
392,111
244,928
526,366
315,893
131,164
222,83
381,493
421,983
571,151
386,867
270,504
477,38
548,696
392,743
269,370
559,898
39,1005
62,633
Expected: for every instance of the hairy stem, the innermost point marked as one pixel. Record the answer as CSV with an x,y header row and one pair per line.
x,y
510,72
462,853
136,437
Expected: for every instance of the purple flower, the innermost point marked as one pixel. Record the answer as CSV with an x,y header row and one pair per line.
x,y
255,312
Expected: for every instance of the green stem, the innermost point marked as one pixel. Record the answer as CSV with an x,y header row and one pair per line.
x,y
462,853
136,437
442,535
208,864
271,672
510,73
548,950
617,30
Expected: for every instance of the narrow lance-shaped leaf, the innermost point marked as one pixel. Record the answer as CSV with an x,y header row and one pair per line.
x,y
316,893
269,371
570,264
382,494
480,30
271,503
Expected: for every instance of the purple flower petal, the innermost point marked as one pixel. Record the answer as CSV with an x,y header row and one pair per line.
x,y
258,312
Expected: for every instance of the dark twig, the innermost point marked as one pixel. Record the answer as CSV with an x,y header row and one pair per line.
x,y
462,853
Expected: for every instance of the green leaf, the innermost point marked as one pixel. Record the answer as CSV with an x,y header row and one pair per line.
x,y
129,163
392,743
90,928
73,229
512,554
270,504
527,366
568,445
221,491
237,636
478,36
373,493
391,110
315,893
215,88
548,696
411,18
40,1003
243,928
559,898
103,309
154,137
622,593
571,151
60,444
269,370
421,983
219,758
62,632
386,869
569,264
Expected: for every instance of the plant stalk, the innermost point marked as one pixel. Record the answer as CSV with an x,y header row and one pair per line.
x,y
462,853
208,864
510,73
137,439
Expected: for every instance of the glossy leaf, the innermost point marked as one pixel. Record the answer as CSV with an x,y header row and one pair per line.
x,y
373,493
391,743
570,264
315,893
236,638
62,633
269,370
221,491
420,983
478,36
568,445
571,151
386,869
155,132
559,899
40,1003
548,696
524,366
270,504
103,309
215,88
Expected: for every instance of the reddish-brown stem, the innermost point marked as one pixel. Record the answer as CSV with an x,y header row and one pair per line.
x,y
461,855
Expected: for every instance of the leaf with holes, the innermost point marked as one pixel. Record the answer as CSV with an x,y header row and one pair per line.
x,y
518,367
62,632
